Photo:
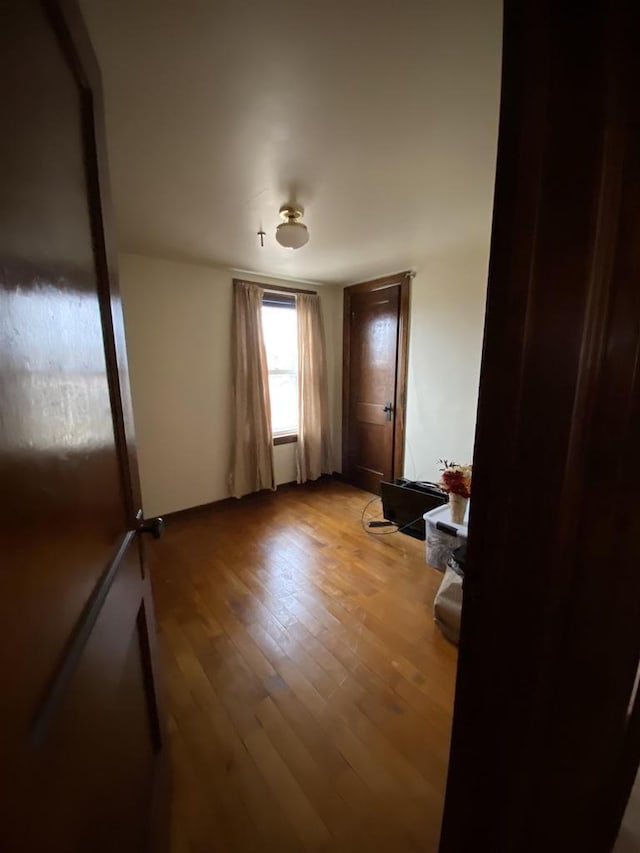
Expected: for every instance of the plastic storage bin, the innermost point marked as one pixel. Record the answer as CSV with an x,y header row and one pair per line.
x,y
442,536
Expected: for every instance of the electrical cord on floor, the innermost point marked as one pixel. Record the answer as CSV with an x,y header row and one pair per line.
x,y
398,528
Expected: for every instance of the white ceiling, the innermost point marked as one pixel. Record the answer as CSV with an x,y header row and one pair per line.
x,y
379,117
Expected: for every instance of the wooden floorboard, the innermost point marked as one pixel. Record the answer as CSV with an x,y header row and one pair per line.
x,y
309,693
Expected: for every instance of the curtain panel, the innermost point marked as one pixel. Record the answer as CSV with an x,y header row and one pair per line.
x,y
313,449
252,456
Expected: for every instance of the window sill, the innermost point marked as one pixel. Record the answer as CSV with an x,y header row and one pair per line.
x,y
284,439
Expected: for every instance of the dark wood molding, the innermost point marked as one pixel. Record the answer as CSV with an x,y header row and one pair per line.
x,y
56,690
543,751
160,812
402,369
214,506
146,658
284,439
200,509
346,375
380,283
276,288
403,280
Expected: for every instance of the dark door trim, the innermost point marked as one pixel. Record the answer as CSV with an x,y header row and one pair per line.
x,y
544,748
403,280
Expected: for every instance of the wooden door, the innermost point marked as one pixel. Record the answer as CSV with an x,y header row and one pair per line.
x,y
81,735
374,384
546,732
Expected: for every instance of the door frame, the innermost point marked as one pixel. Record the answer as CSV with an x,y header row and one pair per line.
x,y
546,726
403,280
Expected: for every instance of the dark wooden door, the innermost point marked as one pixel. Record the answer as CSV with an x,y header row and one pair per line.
x,y
376,315
81,735
546,732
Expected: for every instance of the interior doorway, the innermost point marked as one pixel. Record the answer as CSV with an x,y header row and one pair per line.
x,y
376,323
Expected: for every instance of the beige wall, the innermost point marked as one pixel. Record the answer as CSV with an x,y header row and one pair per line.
x,y
178,323
178,326
445,345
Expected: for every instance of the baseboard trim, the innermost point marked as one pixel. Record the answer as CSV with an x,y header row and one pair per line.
x,y
188,512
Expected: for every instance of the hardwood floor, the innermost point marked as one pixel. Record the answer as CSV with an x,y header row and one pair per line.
x,y
309,692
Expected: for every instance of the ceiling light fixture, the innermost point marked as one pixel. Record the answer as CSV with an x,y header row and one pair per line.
x,y
292,234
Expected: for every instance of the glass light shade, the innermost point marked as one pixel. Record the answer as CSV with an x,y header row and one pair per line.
x,y
292,235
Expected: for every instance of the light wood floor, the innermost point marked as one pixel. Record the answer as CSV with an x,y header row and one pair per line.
x,y
308,691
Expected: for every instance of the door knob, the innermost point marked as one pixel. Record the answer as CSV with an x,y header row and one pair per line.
x,y
388,409
153,526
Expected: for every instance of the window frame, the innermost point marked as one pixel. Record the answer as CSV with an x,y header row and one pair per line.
x,y
286,301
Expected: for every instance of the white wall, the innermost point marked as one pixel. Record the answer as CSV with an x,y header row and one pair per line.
x,y
445,345
178,327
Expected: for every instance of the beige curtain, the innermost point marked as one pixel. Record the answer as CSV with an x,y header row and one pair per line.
x,y
252,459
313,450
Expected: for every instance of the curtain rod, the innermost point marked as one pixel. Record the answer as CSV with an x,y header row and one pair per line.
x,y
277,288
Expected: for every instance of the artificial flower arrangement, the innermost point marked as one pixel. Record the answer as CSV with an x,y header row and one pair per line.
x,y
455,479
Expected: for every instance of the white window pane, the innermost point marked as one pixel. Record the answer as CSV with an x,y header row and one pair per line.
x,y
283,390
280,328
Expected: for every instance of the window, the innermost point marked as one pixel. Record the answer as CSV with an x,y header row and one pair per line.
x,y
280,329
